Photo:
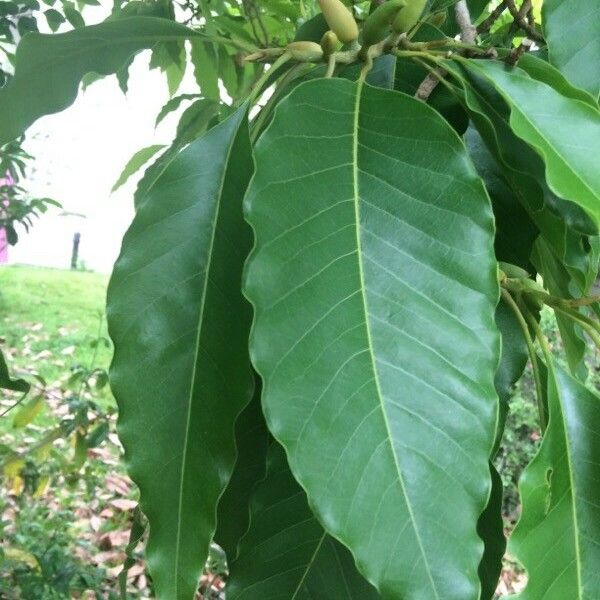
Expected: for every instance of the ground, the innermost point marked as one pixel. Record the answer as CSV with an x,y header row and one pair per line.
x,y
66,517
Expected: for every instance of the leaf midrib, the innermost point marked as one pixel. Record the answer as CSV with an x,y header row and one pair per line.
x,y
355,128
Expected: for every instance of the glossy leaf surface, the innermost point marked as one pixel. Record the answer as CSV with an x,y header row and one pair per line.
x,y
375,272
557,536
286,554
179,324
572,31
49,68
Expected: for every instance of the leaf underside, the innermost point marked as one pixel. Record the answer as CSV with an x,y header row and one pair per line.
x,y
373,270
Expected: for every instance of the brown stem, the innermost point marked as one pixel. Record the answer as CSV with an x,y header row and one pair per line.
x,y
486,25
519,17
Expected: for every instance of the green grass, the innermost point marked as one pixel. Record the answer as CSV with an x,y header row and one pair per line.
x,y
49,320
50,310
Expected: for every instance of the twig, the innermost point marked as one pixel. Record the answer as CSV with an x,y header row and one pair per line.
x,y
430,83
519,17
486,24
468,32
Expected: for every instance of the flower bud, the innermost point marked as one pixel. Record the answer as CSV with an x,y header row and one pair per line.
x,y
377,25
305,51
408,16
340,20
329,43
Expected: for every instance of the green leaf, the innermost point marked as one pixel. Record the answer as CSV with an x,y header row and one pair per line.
x,y
54,18
286,553
179,326
543,71
572,31
561,223
564,131
376,272
206,68
49,68
136,162
515,231
195,120
173,104
7,383
252,441
556,538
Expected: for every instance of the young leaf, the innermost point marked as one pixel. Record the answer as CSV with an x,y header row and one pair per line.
x,y
49,68
179,325
377,272
173,104
136,162
572,31
286,553
565,132
556,538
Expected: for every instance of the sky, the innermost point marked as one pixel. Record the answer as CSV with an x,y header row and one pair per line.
x,y
79,154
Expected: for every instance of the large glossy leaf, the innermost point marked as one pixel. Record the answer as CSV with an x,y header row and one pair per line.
x,y
286,554
49,68
374,286
564,131
572,31
557,536
252,442
181,372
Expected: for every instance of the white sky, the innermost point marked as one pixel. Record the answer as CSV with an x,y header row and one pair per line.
x,y
80,153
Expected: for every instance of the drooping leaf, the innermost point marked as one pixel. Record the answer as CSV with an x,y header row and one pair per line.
x,y
252,442
205,60
7,382
572,31
556,538
135,163
286,553
49,68
376,272
564,131
180,371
